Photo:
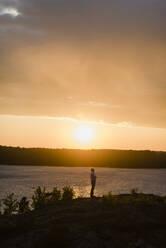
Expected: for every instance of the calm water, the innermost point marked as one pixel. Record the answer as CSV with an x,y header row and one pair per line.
x,y
23,179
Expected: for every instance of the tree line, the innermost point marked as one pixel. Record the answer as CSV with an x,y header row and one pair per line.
x,y
75,157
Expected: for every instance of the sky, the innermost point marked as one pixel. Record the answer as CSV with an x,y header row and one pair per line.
x,y
95,63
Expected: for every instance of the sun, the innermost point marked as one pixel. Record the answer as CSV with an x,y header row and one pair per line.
x,y
84,134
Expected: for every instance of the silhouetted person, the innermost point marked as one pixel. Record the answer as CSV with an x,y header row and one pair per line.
x,y
93,182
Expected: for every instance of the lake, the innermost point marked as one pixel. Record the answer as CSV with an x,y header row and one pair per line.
x,y
22,180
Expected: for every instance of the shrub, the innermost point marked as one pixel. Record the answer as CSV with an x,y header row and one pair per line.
x,y
10,204
39,198
55,195
23,205
68,193
108,199
134,191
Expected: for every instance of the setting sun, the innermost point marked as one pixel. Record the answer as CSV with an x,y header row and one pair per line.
x,y
84,134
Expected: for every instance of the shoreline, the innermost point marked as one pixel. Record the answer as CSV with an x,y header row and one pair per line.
x,y
66,166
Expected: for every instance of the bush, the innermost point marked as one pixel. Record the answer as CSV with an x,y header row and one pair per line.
x,y
23,205
10,204
68,193
134,191
55,195
39,198
108,199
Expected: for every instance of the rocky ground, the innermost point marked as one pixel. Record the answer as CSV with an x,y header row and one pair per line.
x,y
87,223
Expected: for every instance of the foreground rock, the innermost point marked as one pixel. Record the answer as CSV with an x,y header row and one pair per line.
x,y
87,223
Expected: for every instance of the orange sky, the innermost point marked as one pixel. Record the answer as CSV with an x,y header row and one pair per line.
x,y
60,132
102,63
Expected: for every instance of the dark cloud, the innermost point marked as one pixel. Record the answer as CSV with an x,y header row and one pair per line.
x,y
110,52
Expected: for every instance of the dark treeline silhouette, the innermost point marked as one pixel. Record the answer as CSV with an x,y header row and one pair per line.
x,y
76,157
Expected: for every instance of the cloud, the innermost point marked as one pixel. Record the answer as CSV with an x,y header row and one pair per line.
x,y
9,11
70,119
111,51
102,105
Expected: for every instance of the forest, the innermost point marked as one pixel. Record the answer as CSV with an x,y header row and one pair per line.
x,y
75,157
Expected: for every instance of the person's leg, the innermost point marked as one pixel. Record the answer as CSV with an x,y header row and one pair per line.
x,y
91,192
92,189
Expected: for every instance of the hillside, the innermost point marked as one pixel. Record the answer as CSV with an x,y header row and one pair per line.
x,y
74,157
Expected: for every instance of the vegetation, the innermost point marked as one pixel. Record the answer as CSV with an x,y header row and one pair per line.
x,y
68,193
134,198
75,157
108,199
55,195
23,205
10,204
117,221
39,198
134,191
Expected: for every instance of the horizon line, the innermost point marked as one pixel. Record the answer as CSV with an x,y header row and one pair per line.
x,y
87,149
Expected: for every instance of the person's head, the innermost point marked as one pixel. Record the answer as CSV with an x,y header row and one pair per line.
x,y
92,170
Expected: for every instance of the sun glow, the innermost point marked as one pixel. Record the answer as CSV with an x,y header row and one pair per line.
x,y
84,134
